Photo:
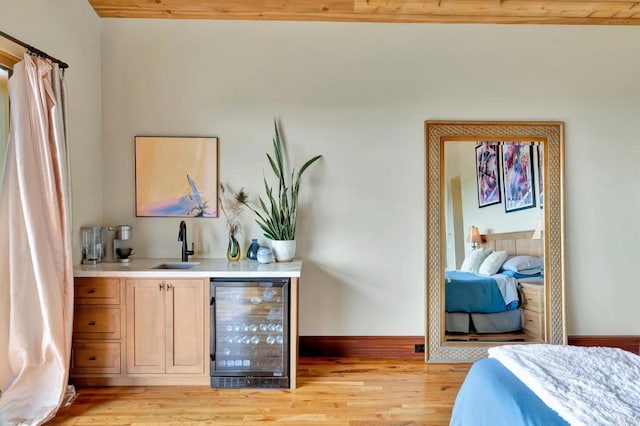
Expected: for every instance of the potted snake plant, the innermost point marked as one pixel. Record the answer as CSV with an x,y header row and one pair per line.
x,y
278,211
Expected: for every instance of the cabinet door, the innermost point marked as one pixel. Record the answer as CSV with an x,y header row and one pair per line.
x,y
185,326
146,314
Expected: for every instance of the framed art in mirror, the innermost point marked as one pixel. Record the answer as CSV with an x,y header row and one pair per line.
x,y
519,190
488,173
549,138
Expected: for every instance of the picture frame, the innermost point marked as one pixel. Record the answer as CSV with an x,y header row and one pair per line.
x,y
540,175
176,176
488,174
519,188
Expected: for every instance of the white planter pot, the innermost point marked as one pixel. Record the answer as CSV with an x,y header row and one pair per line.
x,y
283,250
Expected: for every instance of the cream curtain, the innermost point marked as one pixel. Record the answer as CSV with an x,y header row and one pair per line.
x,y
36,273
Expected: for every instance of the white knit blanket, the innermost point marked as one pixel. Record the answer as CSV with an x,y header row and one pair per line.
x,y
584,385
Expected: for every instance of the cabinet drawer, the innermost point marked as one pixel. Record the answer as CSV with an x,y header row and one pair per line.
x,y
532,297
532,323
96,358
97,291
96,323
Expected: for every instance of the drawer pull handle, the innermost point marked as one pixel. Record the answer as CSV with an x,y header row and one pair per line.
x,y
91,323
92,358
91,291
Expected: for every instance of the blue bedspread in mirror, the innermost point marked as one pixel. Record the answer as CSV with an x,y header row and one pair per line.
x,y
467,292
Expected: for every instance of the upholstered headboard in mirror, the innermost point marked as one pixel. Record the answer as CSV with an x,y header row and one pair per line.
x,y
514,243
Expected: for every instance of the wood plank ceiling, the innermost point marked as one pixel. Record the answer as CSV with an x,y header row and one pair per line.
x,y
572,12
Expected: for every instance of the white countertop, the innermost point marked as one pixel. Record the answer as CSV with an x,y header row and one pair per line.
x,y
205,268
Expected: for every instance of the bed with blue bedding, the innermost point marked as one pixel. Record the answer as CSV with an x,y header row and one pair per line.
x,y
468,292
492,395
544,384
481,304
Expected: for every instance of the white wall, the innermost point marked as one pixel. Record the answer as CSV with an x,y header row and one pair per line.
x,y
359,94
70,31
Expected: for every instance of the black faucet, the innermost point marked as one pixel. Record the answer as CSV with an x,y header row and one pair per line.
x,y
182,236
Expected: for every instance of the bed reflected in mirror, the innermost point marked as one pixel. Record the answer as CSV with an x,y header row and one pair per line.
x,y
494,236
494,282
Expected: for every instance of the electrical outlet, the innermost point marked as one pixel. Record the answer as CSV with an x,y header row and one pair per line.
x,y
419,348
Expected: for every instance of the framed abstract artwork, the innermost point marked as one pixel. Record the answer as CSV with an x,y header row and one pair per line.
x,y
541,175
519,190
488,173
176,176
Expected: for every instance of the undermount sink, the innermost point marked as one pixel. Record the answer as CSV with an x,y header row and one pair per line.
x,y
176,265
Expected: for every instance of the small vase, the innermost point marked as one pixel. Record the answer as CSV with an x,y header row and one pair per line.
x,y
233,249
264,255
252,252
283,250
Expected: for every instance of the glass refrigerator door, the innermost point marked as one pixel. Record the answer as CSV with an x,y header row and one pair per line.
x,y
251,329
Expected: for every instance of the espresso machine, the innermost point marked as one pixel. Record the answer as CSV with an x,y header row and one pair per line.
x,y
93,238
115,249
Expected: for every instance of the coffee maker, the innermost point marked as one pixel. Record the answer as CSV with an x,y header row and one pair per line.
x,y
115,250
93,238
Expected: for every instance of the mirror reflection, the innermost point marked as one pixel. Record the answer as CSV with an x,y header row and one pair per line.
x,y
469,191
494,278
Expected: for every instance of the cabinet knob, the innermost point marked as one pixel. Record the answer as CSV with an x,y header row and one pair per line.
x,y
91,291
161,286
91,323
169,286
92,358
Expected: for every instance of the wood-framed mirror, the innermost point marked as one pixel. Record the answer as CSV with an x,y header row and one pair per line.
x,y
506,220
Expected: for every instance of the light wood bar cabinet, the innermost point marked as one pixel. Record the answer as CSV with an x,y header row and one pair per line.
x,y
135,328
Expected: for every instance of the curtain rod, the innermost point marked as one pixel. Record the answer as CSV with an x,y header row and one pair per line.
x,y
34,51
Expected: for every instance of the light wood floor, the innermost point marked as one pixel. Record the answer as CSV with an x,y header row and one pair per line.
x,y
337,391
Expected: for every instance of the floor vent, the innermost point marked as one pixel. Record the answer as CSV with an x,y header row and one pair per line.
x,y
249,382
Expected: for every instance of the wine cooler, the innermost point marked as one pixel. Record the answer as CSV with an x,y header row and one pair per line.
x,y
249,333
